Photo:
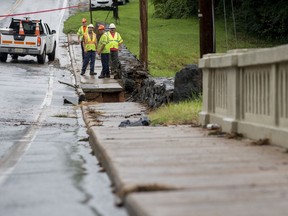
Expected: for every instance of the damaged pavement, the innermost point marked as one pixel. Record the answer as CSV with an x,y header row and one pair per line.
x,y
181,170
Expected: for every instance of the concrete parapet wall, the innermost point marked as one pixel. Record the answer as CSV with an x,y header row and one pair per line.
x,y
246,91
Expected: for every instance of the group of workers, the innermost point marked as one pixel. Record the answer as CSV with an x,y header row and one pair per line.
x,y
107,46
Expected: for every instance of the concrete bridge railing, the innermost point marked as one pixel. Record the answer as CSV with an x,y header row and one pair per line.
x,y
246,91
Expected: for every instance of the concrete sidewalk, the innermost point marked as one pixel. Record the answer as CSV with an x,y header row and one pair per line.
x,y
181,171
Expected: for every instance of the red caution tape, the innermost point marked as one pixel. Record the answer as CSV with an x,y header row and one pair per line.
x,y
44,11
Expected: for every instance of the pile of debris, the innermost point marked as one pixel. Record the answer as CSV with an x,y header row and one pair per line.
x,y
154,92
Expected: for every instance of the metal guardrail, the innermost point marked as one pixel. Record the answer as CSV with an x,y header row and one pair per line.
x,y
246,91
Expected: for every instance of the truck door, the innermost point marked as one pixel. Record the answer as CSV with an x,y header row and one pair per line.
x,y
49,40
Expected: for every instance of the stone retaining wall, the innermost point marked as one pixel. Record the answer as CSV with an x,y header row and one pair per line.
x,y
154,92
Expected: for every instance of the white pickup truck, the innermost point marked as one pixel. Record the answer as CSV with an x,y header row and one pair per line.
x,y
27,37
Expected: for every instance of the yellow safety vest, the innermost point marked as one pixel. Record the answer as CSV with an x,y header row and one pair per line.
x,y
114,41
90,44
104,41
81,32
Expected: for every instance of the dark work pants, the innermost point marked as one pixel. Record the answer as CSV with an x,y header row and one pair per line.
x,y
82,48
114,61
89,56
105,64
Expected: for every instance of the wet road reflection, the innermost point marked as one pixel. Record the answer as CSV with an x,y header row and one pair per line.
x,y
45,168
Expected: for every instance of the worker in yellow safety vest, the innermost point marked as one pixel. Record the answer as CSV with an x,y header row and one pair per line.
x,y
115,41
90,45
104,51
81,31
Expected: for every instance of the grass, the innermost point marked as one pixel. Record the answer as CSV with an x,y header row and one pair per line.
x,y
167,52
186,112
173,44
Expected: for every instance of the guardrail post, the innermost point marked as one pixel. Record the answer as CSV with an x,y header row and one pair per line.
x,y
207,97
274,106
233,99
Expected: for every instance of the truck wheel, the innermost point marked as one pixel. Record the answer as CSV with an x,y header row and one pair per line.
x,y
3,57
14,57
41,58
51,56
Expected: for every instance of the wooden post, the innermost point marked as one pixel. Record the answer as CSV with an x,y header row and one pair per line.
x,y
91,19
207,29
143,40
115,11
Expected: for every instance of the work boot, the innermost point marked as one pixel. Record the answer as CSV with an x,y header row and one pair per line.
x,y
101,76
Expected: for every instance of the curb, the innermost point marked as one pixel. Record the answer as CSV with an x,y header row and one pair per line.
x,y
105,161
100,153
79,90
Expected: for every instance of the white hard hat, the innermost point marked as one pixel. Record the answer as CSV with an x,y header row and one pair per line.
x,y
112,26
90,26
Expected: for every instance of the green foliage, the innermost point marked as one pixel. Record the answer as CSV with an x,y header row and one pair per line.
x,y
168,9
265,18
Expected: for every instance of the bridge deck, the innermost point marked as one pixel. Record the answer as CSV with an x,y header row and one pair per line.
x,y
181,170
186,171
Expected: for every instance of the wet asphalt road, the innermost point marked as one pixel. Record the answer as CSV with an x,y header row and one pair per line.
x,y
45,168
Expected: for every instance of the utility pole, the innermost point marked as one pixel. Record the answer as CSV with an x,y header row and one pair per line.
x,y
91,19
115,11
143,40
207,27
